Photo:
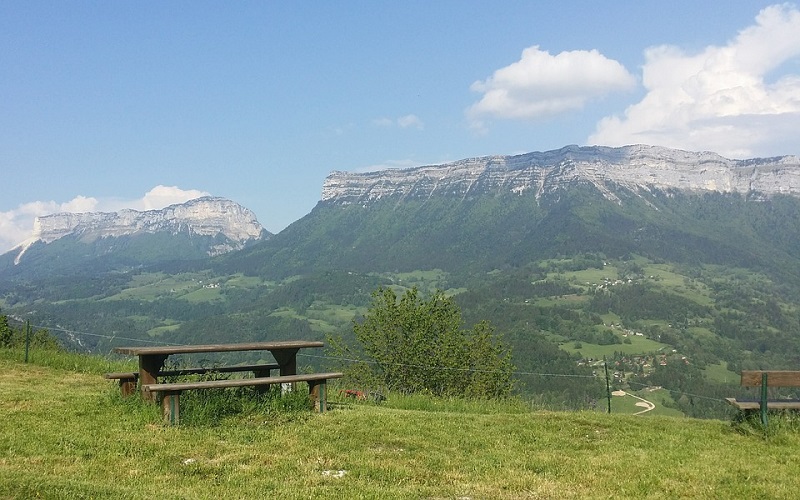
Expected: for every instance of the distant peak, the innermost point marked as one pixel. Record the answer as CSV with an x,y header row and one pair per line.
x,y
204,216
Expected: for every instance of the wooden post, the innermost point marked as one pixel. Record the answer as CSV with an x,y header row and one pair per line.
x,y
171,407
764,399
27,338
149,366
318,396
127,386
262,389
608,385
287,359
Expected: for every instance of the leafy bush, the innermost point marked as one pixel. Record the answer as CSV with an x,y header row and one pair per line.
x,y
419,346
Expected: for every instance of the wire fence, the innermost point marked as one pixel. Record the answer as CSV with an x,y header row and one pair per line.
x,y
112,338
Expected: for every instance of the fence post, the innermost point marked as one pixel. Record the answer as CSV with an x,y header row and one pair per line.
x,y
764,399
608,385
27,338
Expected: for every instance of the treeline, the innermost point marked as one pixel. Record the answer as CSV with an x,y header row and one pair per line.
x,y
18,336
633,302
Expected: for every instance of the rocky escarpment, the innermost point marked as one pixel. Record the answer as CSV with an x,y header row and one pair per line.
x,y
633,167
231,224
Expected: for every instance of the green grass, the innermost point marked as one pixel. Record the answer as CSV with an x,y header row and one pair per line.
x,y
626,405
65,434
150,286
660,397
187,286
161,330
587,278
333,313
323,318
202,295
79,363
720,373
638,345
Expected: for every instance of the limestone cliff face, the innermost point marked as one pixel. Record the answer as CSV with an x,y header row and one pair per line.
x,y
231,224
203,216
632,167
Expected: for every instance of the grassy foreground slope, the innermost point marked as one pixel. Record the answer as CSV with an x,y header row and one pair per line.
x,y
65,434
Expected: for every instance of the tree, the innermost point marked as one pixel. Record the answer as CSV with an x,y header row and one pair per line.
x,y
6,334
418,345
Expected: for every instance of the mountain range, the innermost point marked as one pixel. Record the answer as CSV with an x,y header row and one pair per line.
x,y
632,167
505,211
615,173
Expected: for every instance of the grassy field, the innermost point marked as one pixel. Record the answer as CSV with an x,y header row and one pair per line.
x,y
720,373
67,434
638,345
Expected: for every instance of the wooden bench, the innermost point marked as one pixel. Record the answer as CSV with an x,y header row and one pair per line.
x,y
152,358
170,392
127,380
765,380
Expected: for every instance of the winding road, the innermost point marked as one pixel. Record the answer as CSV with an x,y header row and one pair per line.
x,y
643,403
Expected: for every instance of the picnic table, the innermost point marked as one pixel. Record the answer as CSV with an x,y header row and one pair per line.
x,y
151,359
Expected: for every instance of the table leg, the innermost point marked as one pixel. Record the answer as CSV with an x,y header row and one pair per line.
x,y
287,360
149,366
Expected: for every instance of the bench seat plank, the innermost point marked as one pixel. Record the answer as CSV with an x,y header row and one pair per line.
x,y
127,380
240,382
171,392
197,371
121,375
220,369
772,405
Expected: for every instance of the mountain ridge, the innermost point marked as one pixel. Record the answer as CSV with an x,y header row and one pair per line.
x,y
636,167
204,216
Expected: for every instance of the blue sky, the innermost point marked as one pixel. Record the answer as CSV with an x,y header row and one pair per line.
x,y
109,105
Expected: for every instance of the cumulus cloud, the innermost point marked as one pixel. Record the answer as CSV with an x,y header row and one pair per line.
x,y
407,121
164,196
541,84
16,225
732,99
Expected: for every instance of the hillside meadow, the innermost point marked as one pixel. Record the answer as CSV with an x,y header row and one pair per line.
x,y
65,433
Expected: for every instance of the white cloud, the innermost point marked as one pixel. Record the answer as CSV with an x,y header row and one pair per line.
x,y
383,122
410,121
16,225
720,99
164,196
407,121
541,85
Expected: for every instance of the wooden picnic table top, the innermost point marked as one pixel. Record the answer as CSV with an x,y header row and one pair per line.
x,y
246,346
